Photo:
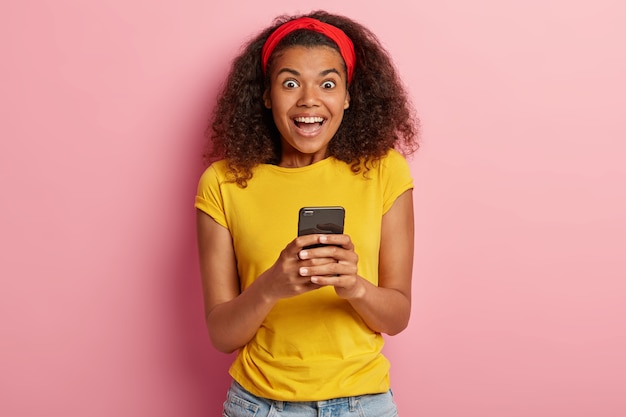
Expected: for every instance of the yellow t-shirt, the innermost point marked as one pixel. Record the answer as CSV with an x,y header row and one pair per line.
x,y
314,346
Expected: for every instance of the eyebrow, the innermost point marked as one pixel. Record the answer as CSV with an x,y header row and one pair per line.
x,y
296,73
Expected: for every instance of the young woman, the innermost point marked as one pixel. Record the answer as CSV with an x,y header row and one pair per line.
x,y
312,114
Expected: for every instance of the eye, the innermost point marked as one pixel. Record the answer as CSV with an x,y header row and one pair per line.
x,y
328,84
290,84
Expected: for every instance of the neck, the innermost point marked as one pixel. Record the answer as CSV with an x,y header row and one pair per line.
x,y
298,160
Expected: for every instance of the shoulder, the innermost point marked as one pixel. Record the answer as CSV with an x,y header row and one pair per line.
x,y
216,170
394,163
393,157
395,175
213,176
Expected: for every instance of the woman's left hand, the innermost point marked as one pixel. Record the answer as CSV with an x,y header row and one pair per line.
x,y
335,264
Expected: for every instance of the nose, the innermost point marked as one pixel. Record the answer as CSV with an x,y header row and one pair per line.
x,y
309,96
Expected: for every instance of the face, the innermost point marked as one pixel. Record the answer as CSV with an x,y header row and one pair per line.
x,y
307,96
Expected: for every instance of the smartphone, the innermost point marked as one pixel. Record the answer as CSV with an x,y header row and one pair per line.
x,y
326,220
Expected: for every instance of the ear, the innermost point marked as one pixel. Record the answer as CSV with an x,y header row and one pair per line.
x,y
346,102
267,101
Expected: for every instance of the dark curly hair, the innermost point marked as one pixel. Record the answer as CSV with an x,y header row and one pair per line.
x,y
380,116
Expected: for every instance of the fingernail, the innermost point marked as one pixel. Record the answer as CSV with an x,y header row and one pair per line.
x,y
303,271
323,238
303,254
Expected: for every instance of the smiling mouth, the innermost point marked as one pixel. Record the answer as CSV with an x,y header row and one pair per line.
x,y
309,123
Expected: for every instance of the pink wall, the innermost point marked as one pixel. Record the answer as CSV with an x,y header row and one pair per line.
x,y
519,295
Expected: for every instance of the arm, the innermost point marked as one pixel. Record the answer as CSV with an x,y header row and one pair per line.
x,y
232,316
386,307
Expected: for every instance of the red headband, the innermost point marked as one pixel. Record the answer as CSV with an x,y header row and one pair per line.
x,y
346,47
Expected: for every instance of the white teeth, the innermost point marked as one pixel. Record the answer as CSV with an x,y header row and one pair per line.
x,y
309,119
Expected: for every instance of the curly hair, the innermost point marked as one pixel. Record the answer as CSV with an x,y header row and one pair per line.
x,y
380,116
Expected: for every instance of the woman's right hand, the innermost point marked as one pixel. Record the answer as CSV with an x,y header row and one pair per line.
x,y
233,316
283,279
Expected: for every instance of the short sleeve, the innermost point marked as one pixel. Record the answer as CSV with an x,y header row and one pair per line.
x,y
396,176
209,197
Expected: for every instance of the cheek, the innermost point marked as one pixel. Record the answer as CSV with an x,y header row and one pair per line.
x,y
279,106
278,115
281,121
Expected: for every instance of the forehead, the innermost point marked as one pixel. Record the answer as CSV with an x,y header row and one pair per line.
x,y
313,58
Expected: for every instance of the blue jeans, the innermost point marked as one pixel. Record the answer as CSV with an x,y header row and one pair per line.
x,y
240,403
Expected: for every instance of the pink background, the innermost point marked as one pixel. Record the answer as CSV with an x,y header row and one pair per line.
x,y
519,291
